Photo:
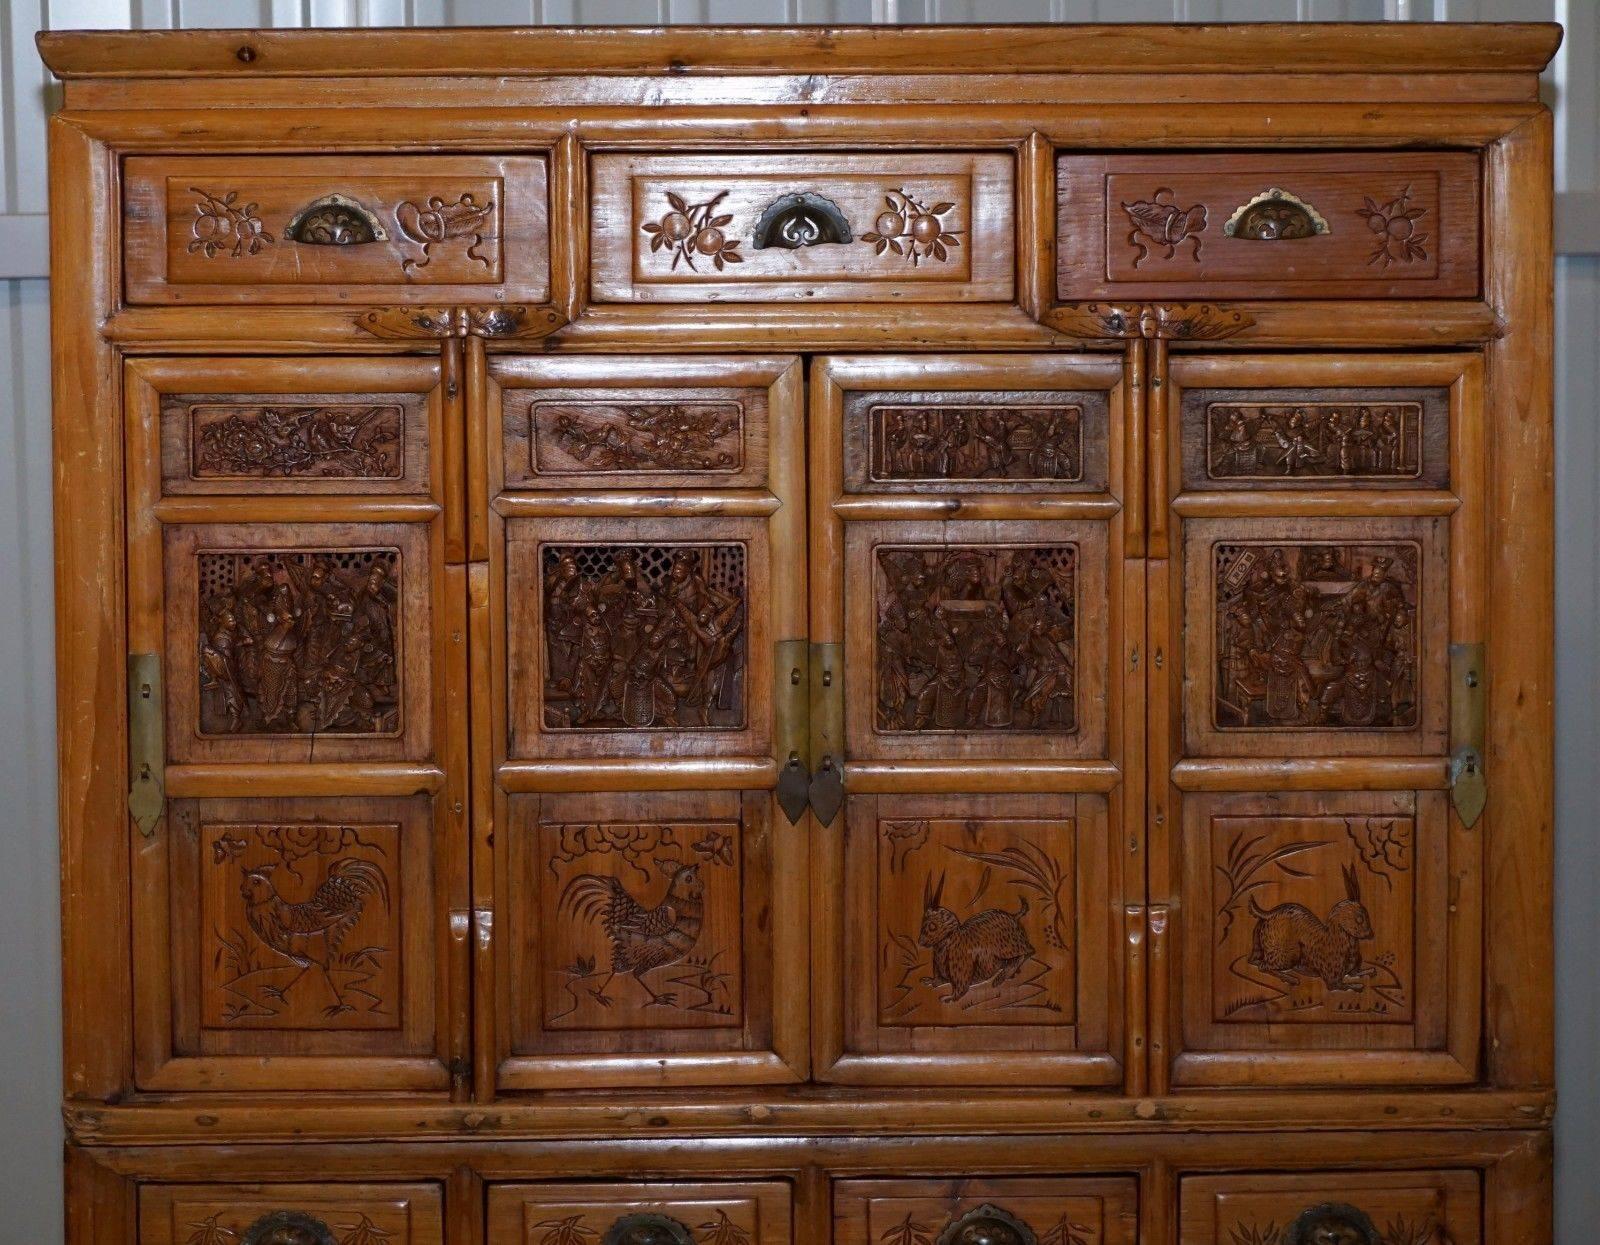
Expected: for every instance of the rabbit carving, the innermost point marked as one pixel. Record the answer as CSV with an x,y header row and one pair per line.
x,y
1290,941
989,946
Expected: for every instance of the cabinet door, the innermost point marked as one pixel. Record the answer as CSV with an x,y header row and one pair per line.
x,y
646,540
1319,900
970,896
287,581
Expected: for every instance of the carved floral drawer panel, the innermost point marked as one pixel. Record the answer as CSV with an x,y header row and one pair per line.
x,y
1334,225
1358,1207
1018,1210
664,1213
759,227
278,1214
323,229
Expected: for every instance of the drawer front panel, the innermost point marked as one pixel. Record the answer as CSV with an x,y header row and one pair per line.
x,y
1015,1211
287,229
269,1214
758,227
718,1213
1373,1208
1340,225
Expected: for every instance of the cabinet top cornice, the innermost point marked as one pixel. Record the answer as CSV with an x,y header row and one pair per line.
x,y
1366,48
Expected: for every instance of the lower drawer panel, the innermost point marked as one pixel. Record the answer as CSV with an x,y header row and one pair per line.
x,y
1014,1211
1331,1208
651,1213
291,1214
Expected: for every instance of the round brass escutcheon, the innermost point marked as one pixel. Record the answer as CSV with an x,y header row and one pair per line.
x,y
288,1227
1332,1223
987,1225
647,1229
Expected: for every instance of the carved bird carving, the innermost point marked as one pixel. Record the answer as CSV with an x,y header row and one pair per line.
x,y
642,938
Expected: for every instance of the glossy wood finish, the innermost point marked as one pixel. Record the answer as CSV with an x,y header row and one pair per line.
x,y
506,572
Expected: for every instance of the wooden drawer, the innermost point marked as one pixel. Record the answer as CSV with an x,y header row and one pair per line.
x,y
1334,225
1014,1211
657,1213
335,229
1363,1208
758,227
277,1214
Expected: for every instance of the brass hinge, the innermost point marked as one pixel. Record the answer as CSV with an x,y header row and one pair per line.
x,y
146,747
791,726
827,731
1469,789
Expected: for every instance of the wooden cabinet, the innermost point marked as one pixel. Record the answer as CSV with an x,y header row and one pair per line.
x,y
725,638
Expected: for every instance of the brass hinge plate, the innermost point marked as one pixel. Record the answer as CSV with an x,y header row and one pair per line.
x,y
1469,788
146,747
791,727
827,731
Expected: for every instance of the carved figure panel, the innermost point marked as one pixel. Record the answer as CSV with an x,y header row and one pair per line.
x,y
977,921
975,638
289,440
1357,1208
1314,441
981,442
996,1211
641,925
287,1214
299,641
1314,919
1319,636
300,925
598,438
644,637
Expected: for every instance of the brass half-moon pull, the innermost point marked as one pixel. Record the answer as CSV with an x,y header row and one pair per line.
x,y
987,1225
647,1229
288,1227
1332,1223
801,219
1275,215
334,220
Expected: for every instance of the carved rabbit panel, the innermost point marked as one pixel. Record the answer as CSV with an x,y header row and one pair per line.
x,y
300,926
977,922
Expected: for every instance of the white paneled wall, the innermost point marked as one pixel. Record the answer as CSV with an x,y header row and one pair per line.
x,y
30,1169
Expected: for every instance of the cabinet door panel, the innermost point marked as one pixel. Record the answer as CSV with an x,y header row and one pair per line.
x,y
292,908
1319,904
655,1213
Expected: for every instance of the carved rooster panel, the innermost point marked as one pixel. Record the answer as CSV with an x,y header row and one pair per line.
x,y
977,922
640,925
300,926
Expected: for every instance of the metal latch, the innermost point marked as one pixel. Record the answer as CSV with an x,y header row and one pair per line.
x,y
1469,790
146,748
827,730
791,732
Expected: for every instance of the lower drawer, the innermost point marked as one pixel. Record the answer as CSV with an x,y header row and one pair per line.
x,y
1331,1208
649,1213
291,1214
1001,1211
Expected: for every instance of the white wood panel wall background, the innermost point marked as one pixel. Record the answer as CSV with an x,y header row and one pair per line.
x,y
30,1132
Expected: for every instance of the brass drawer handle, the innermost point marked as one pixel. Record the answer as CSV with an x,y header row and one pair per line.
x,y
1275,215
288,1227
647,1229
334,220
801,219
1332,1223
987,1225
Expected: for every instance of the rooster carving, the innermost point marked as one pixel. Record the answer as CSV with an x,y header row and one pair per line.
x,y
642,939
311,933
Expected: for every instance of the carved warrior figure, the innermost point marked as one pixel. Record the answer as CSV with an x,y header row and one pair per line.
x,y
648,438
976,639
1316,440
644,637
347,442
299,643
977,443
1316,635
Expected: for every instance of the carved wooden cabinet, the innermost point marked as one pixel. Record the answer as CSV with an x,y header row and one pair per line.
x,y
893,637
